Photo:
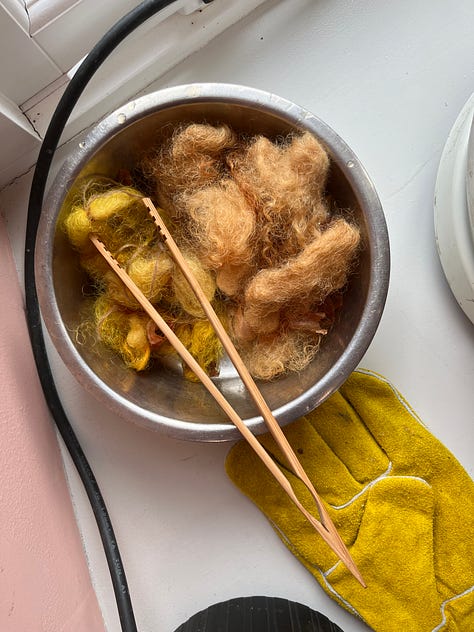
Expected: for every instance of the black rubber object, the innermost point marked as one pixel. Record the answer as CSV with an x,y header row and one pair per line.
x,y
84,74
258,614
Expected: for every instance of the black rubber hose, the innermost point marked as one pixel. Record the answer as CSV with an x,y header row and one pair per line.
x,y
85,72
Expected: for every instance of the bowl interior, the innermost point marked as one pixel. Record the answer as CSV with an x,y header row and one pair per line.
x,y
162,396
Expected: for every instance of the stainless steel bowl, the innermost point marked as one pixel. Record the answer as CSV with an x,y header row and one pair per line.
x,y
161,399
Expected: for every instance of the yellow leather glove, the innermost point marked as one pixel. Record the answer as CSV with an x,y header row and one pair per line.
x,y
402,503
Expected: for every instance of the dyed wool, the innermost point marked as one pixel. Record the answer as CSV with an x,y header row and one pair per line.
x,y
123,332
193,158
268,357
117,216
222,228
254,222
183,295
284,184
120,219
200,340
151,273
316,272
264,227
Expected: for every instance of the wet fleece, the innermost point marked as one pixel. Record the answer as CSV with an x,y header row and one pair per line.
x,y
402,503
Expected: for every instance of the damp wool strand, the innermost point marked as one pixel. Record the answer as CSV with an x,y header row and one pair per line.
x,y
182,293
201,341
115,214
151,274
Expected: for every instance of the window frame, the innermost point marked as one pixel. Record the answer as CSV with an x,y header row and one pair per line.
x,y
48,47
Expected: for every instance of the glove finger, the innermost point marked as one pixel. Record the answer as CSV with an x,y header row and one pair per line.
x,y
330,477
416,451
388,417
458,612
454,531
394,553
248,473
345,433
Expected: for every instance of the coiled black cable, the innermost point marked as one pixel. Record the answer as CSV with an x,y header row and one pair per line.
x,y
85,72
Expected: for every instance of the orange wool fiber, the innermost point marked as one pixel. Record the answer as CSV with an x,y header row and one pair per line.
x,y
320,269
192,158
222,231
285,184
267,357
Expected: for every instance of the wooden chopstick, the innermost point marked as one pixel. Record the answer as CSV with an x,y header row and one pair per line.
x,y
336,542
205,379
326,527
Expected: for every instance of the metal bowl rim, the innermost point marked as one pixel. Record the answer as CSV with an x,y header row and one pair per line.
x,y
292,114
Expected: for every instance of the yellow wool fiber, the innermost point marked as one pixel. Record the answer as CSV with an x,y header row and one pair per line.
x,y
115,291
78,227
136,343
201,341
112,202
94,264
184,296
116,215
123,332
151,273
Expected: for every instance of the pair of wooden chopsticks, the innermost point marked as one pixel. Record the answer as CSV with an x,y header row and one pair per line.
x,y
324,526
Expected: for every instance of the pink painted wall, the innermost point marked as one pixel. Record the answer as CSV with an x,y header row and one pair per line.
x,y
44,579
